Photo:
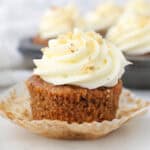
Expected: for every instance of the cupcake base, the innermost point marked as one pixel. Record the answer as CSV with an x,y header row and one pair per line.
x,y
39,41
16,108
72,103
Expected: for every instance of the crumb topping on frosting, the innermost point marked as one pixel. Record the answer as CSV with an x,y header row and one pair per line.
x,y
81,58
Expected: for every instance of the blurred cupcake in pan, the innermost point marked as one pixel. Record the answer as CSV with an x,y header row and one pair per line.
x,y
77,80
56,21
131,34
59,20
103,17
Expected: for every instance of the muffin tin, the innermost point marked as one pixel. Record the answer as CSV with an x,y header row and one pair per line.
x,y
28,49
137,74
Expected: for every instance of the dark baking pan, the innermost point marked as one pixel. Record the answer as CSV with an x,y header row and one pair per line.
x,y
137,75
28,49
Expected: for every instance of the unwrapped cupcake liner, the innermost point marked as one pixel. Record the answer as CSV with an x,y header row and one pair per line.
x,y
15,106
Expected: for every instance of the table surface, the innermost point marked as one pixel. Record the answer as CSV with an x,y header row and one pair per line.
x,y
134,135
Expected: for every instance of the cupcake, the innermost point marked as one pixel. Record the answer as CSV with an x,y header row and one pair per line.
x,y
78,79
103,17
131,34
57,20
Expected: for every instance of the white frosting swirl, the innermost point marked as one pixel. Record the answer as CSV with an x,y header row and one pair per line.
x,y
82,59
58,20
141,7
103,17
132,32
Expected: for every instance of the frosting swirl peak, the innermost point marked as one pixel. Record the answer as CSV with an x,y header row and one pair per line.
x,y
82,59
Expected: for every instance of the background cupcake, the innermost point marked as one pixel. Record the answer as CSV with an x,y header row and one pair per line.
x,y
84,85
103,17
57,20
132,32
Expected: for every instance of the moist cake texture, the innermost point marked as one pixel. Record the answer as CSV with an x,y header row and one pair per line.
x,y
71,103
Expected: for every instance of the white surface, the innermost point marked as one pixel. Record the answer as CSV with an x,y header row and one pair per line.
x,y
144,94
135,135
9,77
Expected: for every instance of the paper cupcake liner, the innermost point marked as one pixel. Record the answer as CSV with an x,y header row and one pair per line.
x,y
15,106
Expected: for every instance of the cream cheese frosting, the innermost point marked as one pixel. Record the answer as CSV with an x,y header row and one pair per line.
x,y
139,6
103,17
58,20
81,58
132,32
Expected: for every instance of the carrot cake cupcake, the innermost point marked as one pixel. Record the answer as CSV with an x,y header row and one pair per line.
x,y
132,32
57,20
103,17
77,80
